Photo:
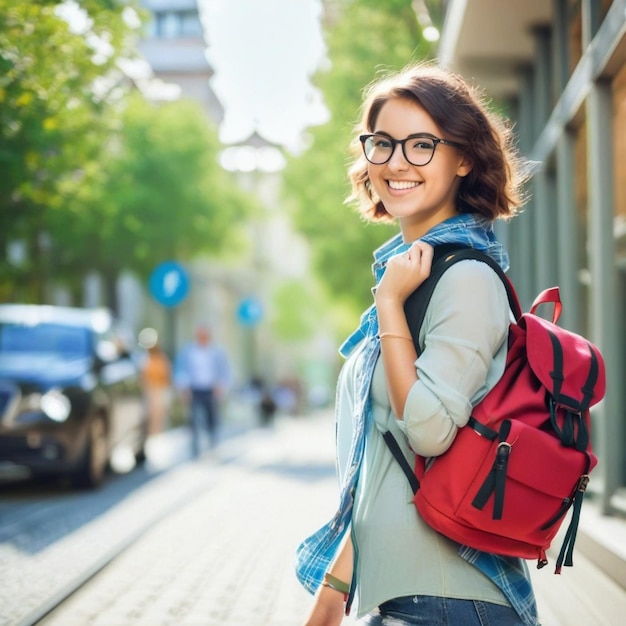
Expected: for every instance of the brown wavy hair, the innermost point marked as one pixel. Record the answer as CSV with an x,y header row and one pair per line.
x,y
493,187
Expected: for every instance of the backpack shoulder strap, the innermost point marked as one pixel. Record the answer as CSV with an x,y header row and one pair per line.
x,y
398,455
446,256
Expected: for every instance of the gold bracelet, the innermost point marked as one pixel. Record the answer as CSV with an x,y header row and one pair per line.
x,y
394,336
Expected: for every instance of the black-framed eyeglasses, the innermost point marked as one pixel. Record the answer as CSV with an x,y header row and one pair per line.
x,y
417,149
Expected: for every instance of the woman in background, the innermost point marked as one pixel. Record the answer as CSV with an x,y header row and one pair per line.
x,y
156,377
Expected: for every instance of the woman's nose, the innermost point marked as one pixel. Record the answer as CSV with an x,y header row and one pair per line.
x,y
398,160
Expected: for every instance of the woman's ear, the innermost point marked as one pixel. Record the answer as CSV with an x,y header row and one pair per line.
x,y
465,167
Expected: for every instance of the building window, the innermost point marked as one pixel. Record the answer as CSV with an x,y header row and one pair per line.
x,y
176,24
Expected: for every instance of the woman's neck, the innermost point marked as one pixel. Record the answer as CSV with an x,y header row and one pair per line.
x,y
413,230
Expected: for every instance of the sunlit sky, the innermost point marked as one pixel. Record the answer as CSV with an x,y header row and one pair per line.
x,y
263,53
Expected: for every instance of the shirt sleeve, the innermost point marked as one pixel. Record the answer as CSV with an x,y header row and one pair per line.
x,y
465,327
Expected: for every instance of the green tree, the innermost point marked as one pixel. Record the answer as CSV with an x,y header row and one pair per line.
x,y
161,194
368,37
54,115
94,177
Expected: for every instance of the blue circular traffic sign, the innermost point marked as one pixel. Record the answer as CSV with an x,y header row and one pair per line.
x,y
169,283
249,312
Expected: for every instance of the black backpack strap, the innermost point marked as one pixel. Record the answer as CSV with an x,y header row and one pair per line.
x,y
446,256
393,445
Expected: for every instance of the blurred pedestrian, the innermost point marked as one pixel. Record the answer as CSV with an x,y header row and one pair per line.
x,y
203,377
267,407
266,404
156,379
265,401
431,157
289,397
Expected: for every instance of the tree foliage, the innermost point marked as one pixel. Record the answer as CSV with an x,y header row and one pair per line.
x,y
160,195
95,178
367,38
52,114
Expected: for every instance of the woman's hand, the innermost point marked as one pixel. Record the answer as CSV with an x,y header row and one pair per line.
x,y
328,609
405,273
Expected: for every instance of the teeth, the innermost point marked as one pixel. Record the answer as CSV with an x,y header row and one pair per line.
x,y
400,184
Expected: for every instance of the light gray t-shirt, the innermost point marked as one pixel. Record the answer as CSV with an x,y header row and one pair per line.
x,y
463,339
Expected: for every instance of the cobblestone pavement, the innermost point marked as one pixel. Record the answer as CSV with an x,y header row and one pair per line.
x,y
226,558
52,538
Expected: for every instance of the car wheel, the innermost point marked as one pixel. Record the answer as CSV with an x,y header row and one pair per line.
x,y
92,468
140,455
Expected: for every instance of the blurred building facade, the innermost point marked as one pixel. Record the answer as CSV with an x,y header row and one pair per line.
x,y
174,45
559,69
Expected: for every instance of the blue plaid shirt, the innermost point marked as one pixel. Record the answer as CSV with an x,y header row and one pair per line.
x,y
316,553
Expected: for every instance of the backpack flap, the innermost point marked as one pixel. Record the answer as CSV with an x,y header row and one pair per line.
x,y
572,371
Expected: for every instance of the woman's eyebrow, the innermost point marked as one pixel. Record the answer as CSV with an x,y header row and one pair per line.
x,y
410,136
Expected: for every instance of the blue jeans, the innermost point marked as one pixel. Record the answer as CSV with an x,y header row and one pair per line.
x,y
204,417
434,611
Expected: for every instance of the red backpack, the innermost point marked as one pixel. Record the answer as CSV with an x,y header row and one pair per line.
x,y
523,460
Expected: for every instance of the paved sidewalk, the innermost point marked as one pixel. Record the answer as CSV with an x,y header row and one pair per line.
x,y
226,558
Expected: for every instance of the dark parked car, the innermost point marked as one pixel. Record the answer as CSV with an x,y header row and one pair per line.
x,y
70,396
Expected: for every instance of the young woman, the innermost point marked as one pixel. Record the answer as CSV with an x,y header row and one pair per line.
x,y
434,159
156,378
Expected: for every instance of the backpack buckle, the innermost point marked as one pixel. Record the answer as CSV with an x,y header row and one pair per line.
x,y
583,481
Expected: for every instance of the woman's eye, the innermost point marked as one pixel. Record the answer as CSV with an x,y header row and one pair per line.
x,y
423,144
382,143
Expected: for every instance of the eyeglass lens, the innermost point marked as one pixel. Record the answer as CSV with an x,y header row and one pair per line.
x,y
417,150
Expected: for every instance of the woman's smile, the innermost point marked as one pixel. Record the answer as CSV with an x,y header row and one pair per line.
x,y
402,185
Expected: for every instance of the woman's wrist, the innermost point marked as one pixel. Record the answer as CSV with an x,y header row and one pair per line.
x,y
389,306
387,300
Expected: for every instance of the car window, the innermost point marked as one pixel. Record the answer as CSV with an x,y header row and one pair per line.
x,y
65,341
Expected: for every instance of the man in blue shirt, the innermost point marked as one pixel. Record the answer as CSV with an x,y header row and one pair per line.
x,y
203,376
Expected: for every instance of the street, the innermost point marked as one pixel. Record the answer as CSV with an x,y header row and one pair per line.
x,y
52,538
211,542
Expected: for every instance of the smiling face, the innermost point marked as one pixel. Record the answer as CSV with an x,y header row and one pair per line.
x,y
418,196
